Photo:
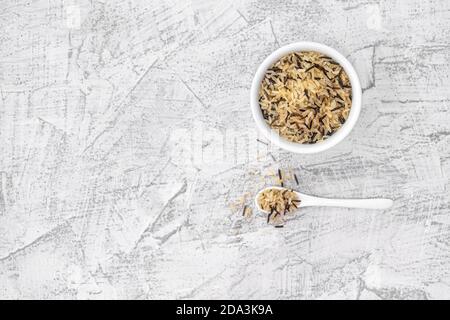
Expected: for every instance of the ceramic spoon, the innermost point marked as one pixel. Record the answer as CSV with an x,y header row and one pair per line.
x,y
311,201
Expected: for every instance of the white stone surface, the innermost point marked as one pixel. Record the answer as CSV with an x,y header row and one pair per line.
x,y
126,133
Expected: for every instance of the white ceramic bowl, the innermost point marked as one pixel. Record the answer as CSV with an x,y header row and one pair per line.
x,y
340,134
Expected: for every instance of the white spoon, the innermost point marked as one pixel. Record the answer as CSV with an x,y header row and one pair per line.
x,y
311,201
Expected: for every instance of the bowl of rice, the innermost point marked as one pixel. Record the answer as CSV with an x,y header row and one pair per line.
x,y
305,97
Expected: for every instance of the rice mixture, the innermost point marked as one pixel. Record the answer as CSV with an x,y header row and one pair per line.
x,y
305,96
278,203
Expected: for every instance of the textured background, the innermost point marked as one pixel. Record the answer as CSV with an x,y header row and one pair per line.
x,y
126,140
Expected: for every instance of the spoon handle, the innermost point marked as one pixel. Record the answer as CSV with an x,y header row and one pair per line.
x,y
349,203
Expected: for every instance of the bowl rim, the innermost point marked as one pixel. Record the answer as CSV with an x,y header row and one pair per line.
x,y
341,133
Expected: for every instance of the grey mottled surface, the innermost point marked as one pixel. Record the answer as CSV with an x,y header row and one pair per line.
x,y
126,133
